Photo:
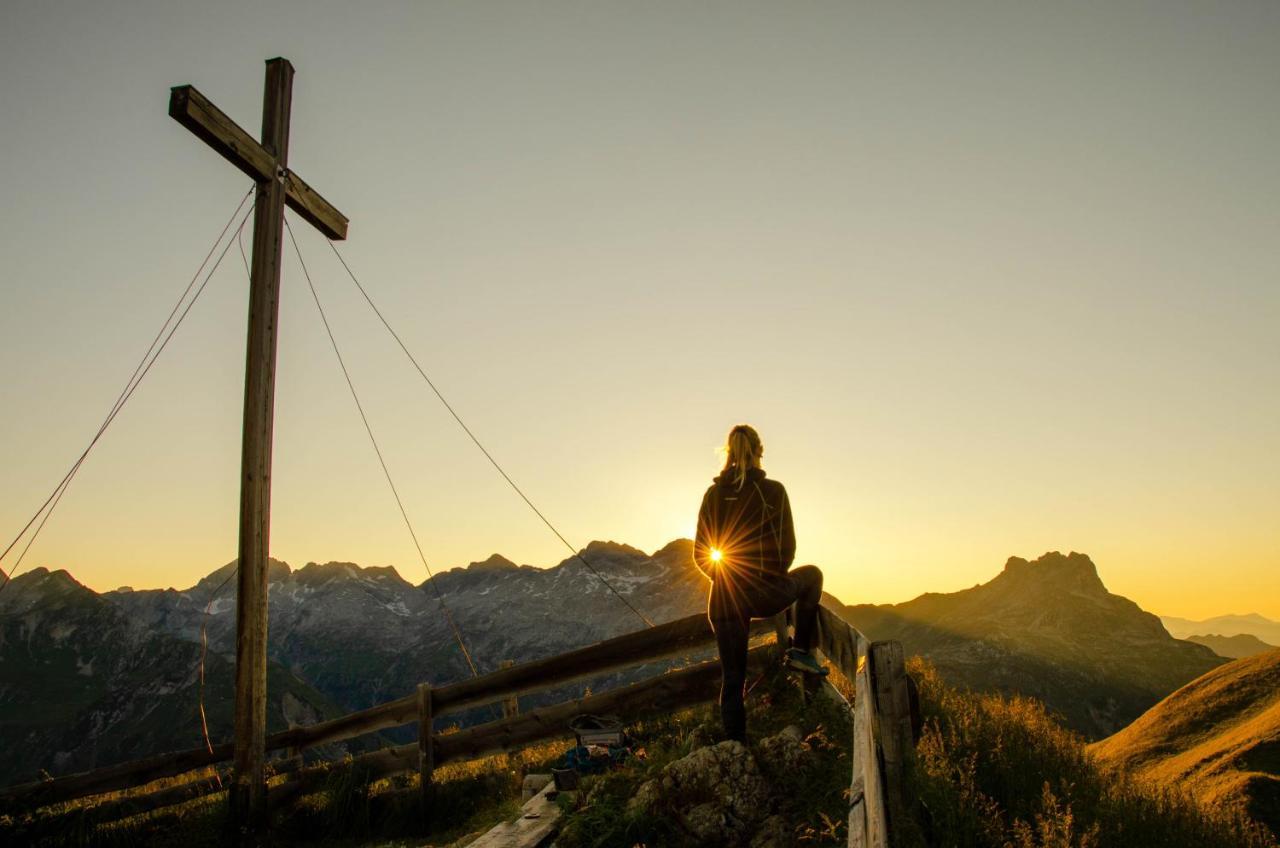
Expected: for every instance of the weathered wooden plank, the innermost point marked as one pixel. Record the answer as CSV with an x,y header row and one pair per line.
x,y
371,766
194,111
381,717
886,664
109,778
858,823
866,749
248,795
668,691
132,805
317,211
838,641
539,820
665,640
654,643
863,763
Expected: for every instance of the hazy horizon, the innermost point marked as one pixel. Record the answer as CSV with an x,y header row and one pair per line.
x,y
990,279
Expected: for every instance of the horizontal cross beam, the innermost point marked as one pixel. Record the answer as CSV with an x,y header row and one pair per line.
x,y
193,110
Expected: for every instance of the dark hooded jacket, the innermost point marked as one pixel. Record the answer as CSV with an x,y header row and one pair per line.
x,y
752,526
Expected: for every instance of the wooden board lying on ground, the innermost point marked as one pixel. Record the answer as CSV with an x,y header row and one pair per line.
x,y
539,820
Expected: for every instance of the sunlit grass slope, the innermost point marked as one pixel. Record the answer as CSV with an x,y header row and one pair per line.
x,y
1218,737
993,771
347,811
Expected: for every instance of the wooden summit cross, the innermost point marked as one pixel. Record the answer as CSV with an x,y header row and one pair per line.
x,y
266,164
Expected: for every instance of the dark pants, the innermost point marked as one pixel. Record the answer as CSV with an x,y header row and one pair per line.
x,y
732,635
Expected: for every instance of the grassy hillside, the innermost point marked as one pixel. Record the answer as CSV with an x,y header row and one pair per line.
x,y
1218,737
996,772
1050,630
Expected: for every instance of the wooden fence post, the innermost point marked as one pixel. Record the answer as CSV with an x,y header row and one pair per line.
x,y
510,706
893,712
426,749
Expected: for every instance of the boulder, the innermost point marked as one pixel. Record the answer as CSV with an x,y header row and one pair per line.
x,y
719,795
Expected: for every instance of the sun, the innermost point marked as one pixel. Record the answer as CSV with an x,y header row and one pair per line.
x,y
716,555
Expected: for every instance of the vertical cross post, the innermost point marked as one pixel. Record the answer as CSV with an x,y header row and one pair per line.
x,y
266,163
248,789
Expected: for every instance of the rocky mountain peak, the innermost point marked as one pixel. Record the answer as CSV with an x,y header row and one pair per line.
x,y
278,571
38,586
385,572
1055,573
315,573
495,562
611,549
677,549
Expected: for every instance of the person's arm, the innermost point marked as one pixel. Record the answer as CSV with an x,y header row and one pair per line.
x,y
702,540
787,547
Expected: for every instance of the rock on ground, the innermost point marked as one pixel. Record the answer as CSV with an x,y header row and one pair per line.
x,y
719,795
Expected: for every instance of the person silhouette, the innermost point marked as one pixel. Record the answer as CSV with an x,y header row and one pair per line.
x,y
745,543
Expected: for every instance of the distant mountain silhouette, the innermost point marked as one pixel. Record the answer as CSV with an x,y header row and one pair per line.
x,y
364,635
89,679
1233,647
1226,625
1048,629
83,685
1219,736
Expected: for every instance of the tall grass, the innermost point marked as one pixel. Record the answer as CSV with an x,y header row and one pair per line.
x,y
1001,772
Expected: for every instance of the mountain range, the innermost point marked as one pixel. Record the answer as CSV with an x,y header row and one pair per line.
x,y
366,635
1218,736
1049,629
83,684
1251,624
1233,647
89,679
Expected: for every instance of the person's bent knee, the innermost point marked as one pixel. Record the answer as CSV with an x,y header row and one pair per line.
x,y
809,578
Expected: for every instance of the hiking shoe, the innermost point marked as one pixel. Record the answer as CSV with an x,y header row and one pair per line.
x,y
804,661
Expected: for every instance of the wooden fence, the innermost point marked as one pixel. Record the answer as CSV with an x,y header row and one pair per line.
x,y
881,725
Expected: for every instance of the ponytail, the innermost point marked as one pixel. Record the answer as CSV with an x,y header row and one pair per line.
x,y
743,450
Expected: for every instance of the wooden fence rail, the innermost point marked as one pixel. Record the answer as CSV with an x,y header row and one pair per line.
x,y
880,723
666,640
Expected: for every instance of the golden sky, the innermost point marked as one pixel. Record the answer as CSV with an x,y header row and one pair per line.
x,y
991,279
